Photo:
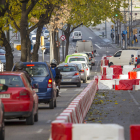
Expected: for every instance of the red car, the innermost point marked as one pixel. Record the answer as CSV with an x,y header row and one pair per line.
x,y
20,101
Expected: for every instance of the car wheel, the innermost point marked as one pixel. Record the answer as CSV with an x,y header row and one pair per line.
x,y
30,119
110,64
79,84
51,104
84,81
36,116
55,105
88,78
2,131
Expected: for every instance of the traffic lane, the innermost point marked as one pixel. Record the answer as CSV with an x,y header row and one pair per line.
x,y
17,129
117,107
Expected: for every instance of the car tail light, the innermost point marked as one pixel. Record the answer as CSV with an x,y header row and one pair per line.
x,y
75,51
76,74
49,83
24,94
136,59
92,52
30,65
87,69
82,70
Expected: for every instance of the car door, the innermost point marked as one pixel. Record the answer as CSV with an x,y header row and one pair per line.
x,y
117,58
80,35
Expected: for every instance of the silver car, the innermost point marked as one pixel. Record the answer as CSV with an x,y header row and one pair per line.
x,y
70,74
83,70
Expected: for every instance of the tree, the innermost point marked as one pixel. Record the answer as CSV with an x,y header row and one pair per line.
x,y
3,40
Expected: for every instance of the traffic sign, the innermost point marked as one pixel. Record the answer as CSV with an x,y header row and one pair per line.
x,y
62,37
112,26
124,32
112,30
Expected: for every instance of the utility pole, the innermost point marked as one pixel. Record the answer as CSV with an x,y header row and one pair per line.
x,y
63,43
51,47
125,27
105,28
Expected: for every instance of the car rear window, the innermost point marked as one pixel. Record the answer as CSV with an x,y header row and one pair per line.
x,y
11,81
76,59
67,68
36,70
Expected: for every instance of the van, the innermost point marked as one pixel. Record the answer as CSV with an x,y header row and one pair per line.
x,y
84,46
76,35
122,57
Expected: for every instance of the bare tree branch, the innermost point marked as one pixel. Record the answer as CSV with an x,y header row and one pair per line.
x,y
76,27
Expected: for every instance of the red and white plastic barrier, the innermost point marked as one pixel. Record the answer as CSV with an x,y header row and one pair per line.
x,y
135,132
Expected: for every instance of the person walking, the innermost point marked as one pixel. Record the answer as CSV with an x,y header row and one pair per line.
x,y
56,74
131,62
138,60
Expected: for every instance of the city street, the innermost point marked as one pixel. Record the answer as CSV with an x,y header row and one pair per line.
x,y
41,129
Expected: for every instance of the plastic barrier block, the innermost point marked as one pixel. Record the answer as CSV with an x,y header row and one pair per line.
x,y
61,131
135,132
138,66
104,70
132,75
106,62
117,70
116,66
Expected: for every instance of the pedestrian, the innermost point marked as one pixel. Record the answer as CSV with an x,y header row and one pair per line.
x,y
131,62
138,60
56,74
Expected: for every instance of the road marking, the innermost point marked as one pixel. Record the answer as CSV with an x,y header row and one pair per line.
x,y
48,121
56,114
62,90
97,46
97,65
40,130
78,89
133,98
90,37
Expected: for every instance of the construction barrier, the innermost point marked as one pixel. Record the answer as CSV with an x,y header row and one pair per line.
x,y
135,132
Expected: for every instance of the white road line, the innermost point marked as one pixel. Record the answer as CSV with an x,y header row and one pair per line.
x,y
78,89
48,121
40,130
97,65
97,46
90,37
62,90
133,98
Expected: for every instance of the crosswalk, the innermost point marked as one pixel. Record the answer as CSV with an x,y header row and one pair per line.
x,y
63,90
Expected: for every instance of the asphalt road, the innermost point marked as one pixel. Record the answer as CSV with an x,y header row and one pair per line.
x,y
18,130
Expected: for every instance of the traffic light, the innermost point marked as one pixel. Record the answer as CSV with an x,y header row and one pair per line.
x,y
116,15
123,36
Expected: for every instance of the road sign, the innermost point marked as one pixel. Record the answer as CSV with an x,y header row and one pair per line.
x,y
124,32
112,30
135,31
62,37
112,26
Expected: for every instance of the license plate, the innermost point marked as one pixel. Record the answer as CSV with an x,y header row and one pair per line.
x,y
35,90
4,95
66,80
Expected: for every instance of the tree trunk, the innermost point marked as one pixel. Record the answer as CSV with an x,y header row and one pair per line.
x,y
55,48
23,33
9,55
28,50
36,46
58,52
67,35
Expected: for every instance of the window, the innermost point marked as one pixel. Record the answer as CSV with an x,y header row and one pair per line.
x,y
75,33
47,44
76,59
37,70
67,69
27,81
84,65
79,34
118,54
11,80
46,31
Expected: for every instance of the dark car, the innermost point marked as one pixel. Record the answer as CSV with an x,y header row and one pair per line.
x,y
47,46
42,77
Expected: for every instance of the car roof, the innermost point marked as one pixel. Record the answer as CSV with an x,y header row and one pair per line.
x,y
11,73
34,63
68,64
76,62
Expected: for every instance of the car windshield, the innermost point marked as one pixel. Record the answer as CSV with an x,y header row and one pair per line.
x,y
36,70
2,57
47,44
67,68
11,81
46,31
33,38
76,59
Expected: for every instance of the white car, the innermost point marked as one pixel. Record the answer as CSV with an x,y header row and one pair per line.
x,y
77,35
46,34
33,39
88,70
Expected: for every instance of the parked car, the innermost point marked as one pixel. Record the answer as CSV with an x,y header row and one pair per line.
x,y
20,100
87,69
76,35
43,79
82,70
70,74
46,33
47,46
122,57
2,124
